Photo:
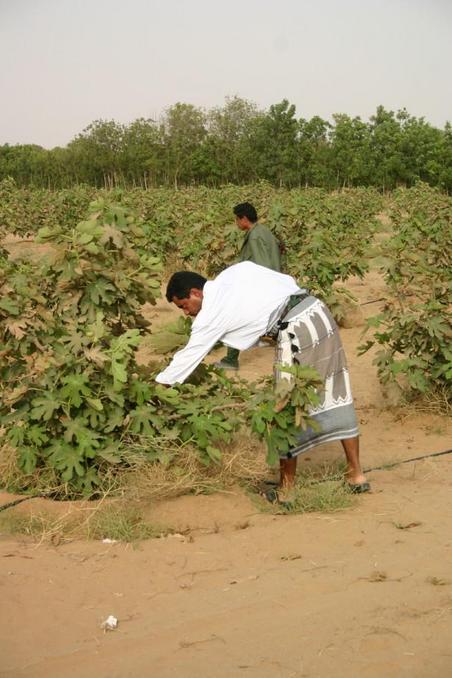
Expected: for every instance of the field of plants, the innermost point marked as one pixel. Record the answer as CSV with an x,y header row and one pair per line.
x,y
79,266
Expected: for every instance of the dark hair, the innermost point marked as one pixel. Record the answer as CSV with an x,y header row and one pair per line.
x,y
182,282
246,209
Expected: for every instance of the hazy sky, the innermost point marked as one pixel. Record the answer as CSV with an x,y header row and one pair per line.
x,y
65,63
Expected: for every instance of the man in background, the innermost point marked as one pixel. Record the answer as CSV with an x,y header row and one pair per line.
x,y
259,246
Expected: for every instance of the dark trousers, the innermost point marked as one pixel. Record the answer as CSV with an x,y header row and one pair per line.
x,y
232,356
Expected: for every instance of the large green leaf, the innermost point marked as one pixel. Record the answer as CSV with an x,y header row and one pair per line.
x,y
28,459
45,406
75,389
9,306
67,459
86,439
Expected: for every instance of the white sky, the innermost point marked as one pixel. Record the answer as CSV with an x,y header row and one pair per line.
x,y
65,63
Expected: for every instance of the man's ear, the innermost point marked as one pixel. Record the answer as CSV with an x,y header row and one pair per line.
x,y
196,293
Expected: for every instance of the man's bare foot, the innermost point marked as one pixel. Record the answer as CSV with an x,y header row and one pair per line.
x,y
355,478
286,494
357,483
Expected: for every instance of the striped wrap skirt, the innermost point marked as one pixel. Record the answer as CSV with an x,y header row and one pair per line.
x,y
310,336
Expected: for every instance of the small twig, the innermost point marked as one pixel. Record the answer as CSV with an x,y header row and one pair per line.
x,y
186,643
374,301
195,572
229,406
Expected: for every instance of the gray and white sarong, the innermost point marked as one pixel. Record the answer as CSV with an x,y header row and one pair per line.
x,y
310,336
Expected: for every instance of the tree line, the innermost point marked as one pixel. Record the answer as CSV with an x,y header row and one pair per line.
x,y
240,143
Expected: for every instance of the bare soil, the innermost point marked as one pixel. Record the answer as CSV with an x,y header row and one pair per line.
x,y
366,591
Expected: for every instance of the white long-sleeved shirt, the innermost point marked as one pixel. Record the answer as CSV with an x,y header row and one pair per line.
x,y
238,307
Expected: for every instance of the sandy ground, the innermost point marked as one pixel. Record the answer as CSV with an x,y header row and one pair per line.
x,y
366,591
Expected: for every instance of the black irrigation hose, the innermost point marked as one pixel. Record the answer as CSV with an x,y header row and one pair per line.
x,y
406,461
10,504
385,467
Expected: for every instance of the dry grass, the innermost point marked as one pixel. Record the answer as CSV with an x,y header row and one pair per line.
x,y
118,514
105,519
244,462
8,466
42,482
123,522
438,402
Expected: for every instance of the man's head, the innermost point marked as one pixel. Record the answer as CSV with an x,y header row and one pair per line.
x,y
185,289
245,215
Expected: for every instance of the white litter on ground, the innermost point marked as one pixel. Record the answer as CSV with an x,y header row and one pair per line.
x,y
110,624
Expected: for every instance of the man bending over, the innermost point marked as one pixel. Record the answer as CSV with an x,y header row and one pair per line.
x,y
247,301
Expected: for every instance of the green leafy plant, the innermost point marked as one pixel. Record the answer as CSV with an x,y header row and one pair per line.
x,y
172,336
414,330
68,331
279,413
74,399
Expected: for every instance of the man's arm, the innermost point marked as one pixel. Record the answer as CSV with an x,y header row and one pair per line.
x,y
185,361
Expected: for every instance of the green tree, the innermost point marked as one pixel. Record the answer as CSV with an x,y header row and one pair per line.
x,y
230,130
276,143
445,158
183,131
420,147
386,157
97,151
314,152
26,163
350,140
142,153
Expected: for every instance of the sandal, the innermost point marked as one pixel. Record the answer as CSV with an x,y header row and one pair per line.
x,y
273,496
359,488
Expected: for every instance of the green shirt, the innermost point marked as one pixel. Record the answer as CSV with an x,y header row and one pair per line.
x,y
261,247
